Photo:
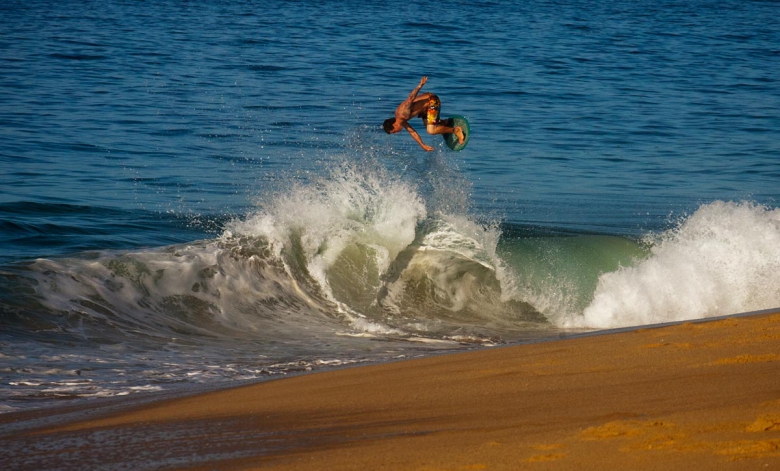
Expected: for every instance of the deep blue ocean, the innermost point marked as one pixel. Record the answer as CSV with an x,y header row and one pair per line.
x,y
200,192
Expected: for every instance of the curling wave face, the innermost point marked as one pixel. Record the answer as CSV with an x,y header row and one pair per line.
x,y
367,244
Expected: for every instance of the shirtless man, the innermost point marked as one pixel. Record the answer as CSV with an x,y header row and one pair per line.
x,y
425,106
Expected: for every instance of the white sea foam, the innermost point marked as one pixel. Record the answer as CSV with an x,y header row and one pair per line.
x,y
198,288
352,207
348,207
723,259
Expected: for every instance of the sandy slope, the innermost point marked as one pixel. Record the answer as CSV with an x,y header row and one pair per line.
x,y
695,394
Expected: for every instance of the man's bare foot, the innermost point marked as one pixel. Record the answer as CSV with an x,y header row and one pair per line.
x,y
459,134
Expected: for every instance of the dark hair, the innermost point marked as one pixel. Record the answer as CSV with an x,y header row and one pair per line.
x,y
388,125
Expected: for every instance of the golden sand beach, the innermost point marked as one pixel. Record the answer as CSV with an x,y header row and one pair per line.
x,y
703,395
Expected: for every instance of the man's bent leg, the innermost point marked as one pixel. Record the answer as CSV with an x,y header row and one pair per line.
x,y
442,129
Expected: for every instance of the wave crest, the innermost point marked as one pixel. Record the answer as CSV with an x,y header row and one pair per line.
x,y
723,259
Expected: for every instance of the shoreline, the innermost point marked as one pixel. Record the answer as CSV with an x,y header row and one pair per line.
x,y
704,391
53,415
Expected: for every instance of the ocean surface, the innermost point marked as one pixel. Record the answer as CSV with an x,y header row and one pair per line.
x,y
199,192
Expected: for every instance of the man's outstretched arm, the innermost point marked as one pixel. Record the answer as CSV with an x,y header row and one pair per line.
x,y
417,89
417,137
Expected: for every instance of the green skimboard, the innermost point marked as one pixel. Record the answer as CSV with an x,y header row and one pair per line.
x,y
451,139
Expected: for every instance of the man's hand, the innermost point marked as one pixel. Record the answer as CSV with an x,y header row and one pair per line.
x,y
427,147
413,95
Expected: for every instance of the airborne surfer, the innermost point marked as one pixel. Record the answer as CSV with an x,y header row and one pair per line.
x,y
425,106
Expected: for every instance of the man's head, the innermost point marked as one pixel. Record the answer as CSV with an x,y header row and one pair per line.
x,y
390,126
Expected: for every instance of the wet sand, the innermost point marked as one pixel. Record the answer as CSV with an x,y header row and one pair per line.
x,y
703,395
